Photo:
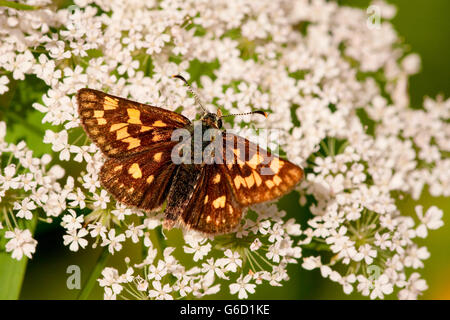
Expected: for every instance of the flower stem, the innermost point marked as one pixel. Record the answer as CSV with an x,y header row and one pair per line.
x,y
101,262
159,240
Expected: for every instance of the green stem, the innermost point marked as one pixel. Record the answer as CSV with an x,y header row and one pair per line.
x,y
99,266
18,6
159,240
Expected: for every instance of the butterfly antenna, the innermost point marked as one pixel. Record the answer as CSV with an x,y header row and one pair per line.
x,y
191,90
265,114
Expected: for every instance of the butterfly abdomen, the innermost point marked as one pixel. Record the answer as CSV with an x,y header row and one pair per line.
x,y
183,185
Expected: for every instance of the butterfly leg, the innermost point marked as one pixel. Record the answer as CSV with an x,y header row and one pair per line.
x,y
181,192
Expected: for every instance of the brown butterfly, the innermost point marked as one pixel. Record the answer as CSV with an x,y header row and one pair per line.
x,y
208,196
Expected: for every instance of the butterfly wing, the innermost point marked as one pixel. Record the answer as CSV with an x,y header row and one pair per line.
x,y
142,180
137,140
254,174
213,208
120,127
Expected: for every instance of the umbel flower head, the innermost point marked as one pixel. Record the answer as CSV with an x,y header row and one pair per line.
x,y
29,191
334,87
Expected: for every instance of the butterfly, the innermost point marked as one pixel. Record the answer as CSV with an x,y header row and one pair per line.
x,y
140,171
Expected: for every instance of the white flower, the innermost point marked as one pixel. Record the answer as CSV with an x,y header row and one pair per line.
x,y
134,232
101,200
256,244
112,241
365,252
109,294
3,84
231,262
212,268
25,208
21,243
157,272
199,251
74,239
242,286
414,287
159,292
310,263
77,199
381,286
71,221
432,220
415,255
7,180
112,280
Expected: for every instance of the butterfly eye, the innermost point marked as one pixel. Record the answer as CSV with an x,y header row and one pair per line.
x,y
219,123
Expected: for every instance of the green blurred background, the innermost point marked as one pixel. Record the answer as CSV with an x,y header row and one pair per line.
x,y
425,26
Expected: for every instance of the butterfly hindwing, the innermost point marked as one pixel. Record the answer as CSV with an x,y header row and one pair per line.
x,y
142,180
213,208
254,174
121,127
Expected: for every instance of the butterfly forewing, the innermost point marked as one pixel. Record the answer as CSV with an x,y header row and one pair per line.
x,y
255,174
142,180
121,127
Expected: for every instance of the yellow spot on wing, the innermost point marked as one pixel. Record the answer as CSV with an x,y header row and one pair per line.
x,y
238,153
135,171
132,142
159,123
134,116
157,156
110,100
117,126
238,180
277,180
276,164
250,181
219,202
255,161
101,121
122,133
145,128
206,200
98,113
269,184
110,103
156,137
257,177
208,219
216,178
150,179
117,168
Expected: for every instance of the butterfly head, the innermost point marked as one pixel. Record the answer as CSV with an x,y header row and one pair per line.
x,y
213,120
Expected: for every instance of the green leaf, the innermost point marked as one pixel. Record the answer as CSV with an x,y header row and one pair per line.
x,y
11,276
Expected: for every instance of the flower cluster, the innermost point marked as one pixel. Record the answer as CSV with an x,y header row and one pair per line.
x,y
259,252
336,88
29,190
